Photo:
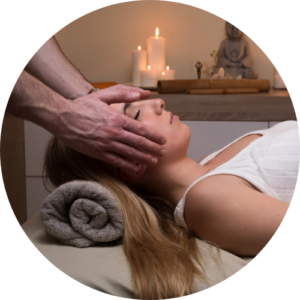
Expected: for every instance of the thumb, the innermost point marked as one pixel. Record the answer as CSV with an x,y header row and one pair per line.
x,y
116,96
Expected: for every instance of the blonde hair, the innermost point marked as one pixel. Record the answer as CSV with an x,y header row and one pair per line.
x,y
163,257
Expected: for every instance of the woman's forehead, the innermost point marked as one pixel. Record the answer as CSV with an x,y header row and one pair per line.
x,y
119,107
122,107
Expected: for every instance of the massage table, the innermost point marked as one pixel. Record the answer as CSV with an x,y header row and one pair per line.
x,y
104,267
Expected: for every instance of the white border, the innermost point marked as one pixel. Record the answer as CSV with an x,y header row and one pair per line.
x,y
26,25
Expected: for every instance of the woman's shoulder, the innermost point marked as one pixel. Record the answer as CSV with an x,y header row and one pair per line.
x,y
208,193
232,215
208,190
212,185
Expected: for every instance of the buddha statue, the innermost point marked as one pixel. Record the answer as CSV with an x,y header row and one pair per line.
x,y
235,56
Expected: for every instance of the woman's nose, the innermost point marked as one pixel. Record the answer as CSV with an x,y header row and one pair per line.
x,y
159,106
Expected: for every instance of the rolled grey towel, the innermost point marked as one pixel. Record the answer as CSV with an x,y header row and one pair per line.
x,y
82,213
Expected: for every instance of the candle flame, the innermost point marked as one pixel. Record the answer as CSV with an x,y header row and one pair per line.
x,y
149,67
157,32
167,67
139,47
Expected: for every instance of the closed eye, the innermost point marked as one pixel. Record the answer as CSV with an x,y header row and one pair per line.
x,y
137,115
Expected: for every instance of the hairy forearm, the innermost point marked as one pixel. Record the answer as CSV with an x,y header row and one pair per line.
x,y
33,101
50,66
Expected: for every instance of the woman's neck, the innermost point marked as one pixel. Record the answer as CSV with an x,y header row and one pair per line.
x,y
171,182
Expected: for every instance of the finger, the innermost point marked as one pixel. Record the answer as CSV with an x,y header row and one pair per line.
x,y
119,162
115,96
141,144
133,154
141,130
144,93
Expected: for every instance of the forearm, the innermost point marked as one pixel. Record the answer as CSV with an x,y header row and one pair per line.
x,y
50,66
33,101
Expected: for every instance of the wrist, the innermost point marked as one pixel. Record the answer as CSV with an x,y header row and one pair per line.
x,y
63,115
81,91
55,121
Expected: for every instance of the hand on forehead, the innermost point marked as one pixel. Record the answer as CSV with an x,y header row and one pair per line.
x,y
119,107
122,107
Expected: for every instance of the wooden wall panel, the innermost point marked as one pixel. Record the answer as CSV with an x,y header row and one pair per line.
x,y
273,106
13,164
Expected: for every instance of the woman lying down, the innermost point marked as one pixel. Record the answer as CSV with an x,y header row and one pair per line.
x,y
234,198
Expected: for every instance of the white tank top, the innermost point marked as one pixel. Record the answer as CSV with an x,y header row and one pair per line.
x,y
270,163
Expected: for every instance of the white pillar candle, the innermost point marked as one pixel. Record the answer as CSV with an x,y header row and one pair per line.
x,y
156,49
162,76
149,78
139,63
170,74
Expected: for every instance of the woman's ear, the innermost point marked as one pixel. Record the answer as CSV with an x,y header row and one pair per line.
x,y
142,169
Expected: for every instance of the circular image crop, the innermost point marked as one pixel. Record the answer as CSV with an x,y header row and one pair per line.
x,y
150,150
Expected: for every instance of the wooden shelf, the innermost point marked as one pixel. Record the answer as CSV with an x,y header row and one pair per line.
x,y
275,105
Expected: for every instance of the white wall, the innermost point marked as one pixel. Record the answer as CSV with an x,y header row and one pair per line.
x,y
100,44
210,136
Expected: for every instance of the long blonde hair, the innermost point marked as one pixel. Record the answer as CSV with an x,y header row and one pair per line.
x,y
163,257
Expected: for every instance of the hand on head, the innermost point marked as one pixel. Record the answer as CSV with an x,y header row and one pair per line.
x,y
93,128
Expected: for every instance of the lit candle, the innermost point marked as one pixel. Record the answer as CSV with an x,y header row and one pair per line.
x,y
139,63
149,78
156,49
170,74
162,76
167,74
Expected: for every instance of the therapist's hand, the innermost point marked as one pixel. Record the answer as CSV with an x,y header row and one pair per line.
x,y
90,126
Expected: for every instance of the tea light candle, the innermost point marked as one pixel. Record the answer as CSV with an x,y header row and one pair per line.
x,y
149,78
170,74
167,74
156,49
162,76
139,63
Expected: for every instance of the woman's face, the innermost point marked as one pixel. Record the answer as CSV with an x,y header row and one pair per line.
x,y
153,114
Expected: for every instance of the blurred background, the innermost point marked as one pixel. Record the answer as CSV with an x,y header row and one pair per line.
x,y
100,44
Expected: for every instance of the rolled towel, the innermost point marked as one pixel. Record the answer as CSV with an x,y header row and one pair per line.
x,y
82,213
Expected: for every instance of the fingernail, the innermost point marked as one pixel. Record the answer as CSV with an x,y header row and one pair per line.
x,y
135,94
162,152
163,140
153,160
